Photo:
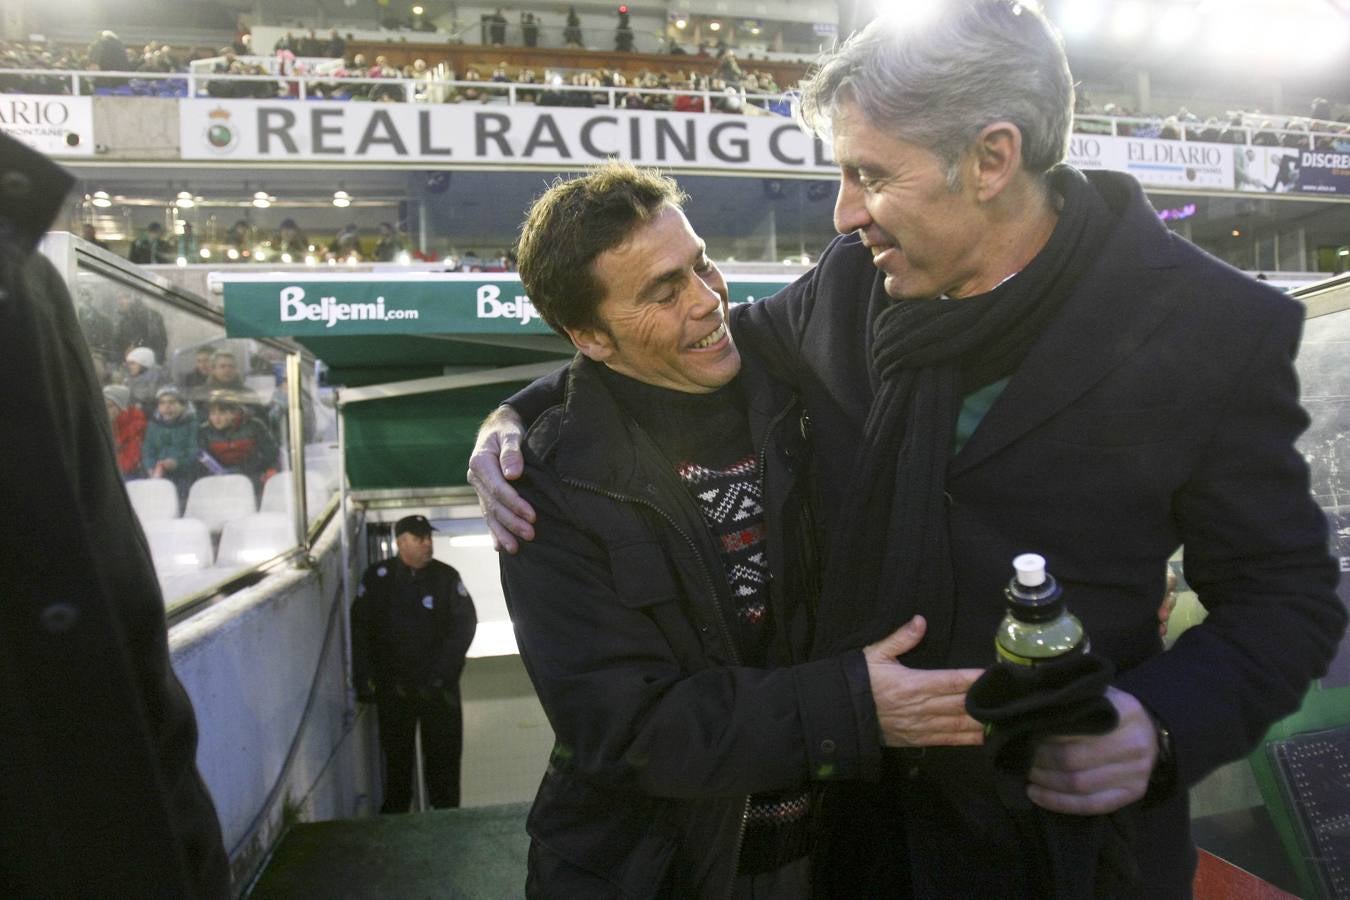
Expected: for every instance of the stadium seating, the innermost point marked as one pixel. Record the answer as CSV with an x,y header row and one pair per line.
x,y
254,539
178,546
153,499
217,499
276,497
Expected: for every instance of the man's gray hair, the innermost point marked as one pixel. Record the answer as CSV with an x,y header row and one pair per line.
x,y
937,82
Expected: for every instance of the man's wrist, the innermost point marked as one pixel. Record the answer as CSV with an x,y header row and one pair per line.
x,y
1163,779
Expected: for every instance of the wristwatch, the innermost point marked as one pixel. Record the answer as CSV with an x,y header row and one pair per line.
x,y
1164,775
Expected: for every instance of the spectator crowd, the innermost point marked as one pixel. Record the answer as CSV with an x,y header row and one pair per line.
x,y
204,418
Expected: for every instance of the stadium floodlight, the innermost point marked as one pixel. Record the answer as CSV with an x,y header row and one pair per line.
x,y
903,13
1324,39
1177,26
1080,18
342,199
682,24
417,10
205,253
714,26
1129,21
262,200
101,199
185,200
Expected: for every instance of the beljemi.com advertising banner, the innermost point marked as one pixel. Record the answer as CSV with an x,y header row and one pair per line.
x,y
298,305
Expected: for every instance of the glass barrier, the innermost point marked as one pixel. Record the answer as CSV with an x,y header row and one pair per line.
x,y
201,423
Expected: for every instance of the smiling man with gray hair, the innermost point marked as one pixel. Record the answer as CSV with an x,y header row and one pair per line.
x,y
1002,354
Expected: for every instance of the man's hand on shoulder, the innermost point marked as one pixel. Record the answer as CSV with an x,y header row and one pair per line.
x,y
919,707
1099,774
496,461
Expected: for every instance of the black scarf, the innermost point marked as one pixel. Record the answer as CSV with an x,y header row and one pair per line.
x,y
892,559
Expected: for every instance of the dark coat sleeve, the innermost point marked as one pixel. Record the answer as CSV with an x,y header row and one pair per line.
x,y
629,708
531,401
99,791
1256,555
363,633
462,625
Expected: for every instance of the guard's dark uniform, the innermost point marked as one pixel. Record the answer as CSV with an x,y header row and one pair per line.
x,y
410,631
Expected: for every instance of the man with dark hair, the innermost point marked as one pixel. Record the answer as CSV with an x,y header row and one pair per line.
x,y
1003,355
412,623
664,611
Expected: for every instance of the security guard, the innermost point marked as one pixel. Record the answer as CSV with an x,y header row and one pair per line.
x,y
412,622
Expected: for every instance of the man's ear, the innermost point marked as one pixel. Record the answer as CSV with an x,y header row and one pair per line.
x,y
595,343
998,158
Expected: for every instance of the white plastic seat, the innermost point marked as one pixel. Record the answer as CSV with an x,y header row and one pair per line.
x,y
178,546
277,493
261,385
216,499
153,498
254,538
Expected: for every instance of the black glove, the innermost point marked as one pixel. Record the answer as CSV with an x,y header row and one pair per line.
x,y
1021,705
1074,856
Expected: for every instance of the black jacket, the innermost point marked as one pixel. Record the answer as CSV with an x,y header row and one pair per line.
x,y
380,661
99,790
1160,408
617,606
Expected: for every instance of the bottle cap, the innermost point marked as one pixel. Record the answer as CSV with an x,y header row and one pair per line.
x,y
1030,568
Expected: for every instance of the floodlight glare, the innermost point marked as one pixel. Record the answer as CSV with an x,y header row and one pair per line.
x,y
1176,27
1081,18
1129,21
907,13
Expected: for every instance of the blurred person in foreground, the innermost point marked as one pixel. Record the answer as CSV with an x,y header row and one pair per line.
x,y
99,792
1002,354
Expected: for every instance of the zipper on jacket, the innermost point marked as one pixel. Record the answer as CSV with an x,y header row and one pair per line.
x,y
702,563
721,621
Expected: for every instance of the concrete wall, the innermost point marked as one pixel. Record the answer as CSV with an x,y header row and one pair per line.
x,y
267,673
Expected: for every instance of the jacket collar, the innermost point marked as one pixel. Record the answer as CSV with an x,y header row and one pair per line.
x,y
32,189
598,443
1102,325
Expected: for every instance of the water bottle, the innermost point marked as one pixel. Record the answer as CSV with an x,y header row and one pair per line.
x,y
1037,628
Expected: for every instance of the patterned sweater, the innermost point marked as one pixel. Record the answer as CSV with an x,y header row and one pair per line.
x,y
707,441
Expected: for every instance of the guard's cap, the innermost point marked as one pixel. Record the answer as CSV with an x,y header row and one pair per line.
x,y
417,525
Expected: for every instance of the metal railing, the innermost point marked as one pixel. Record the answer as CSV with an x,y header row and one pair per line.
x,y
732,99
66,82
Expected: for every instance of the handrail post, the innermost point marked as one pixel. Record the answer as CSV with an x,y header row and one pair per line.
x,y
295,422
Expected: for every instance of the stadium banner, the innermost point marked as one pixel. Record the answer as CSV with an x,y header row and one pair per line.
x,y
1156,162
280,304
334,131
1293,170
53,125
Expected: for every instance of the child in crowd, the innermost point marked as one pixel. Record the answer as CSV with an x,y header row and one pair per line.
x,y
128,428
144,377
170,449
230,441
